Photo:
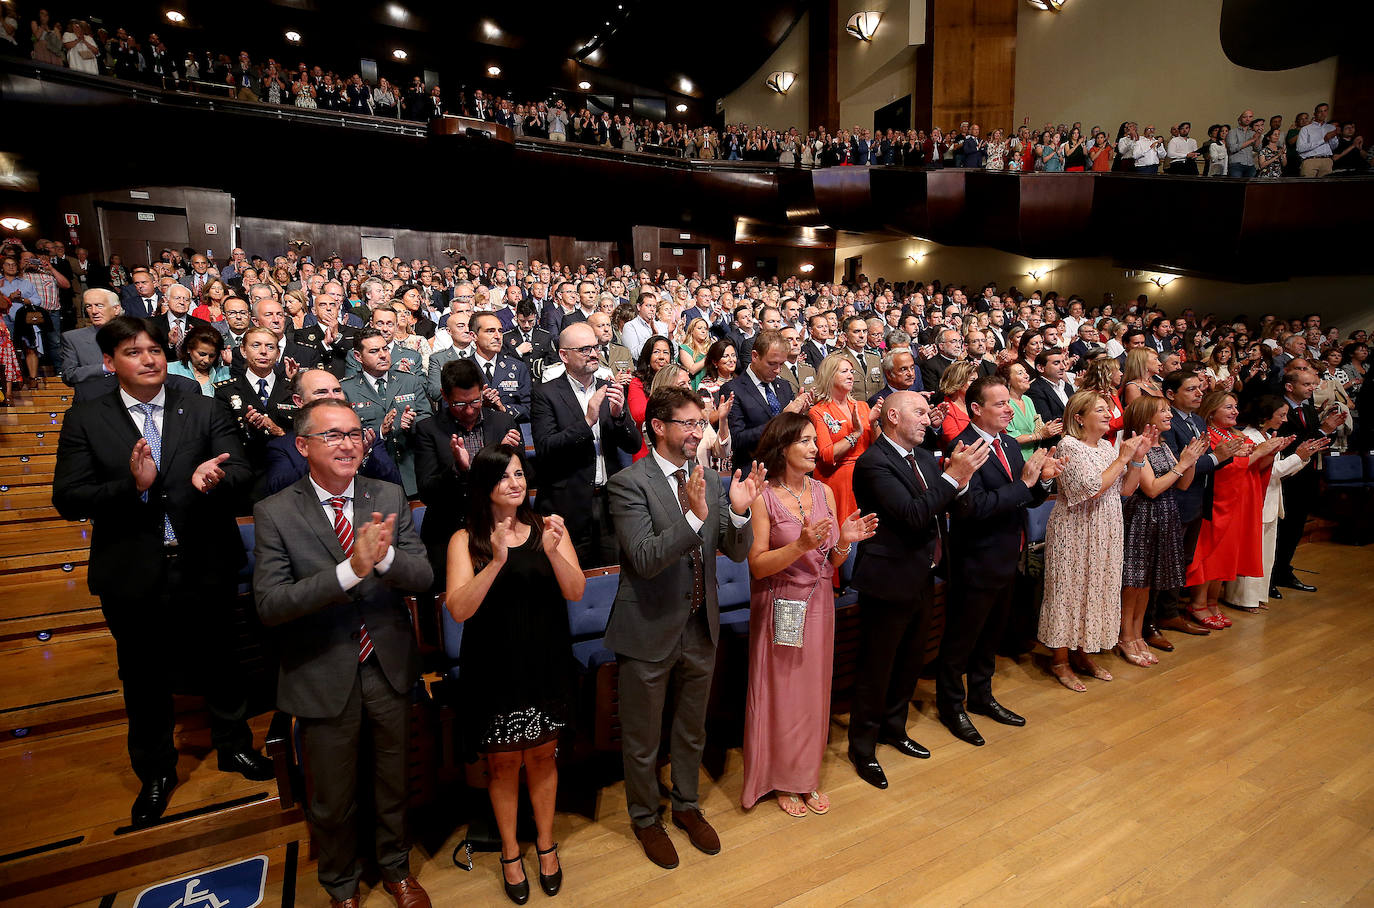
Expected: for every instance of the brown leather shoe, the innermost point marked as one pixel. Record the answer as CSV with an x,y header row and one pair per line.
x,y
699,832
408,893
1154,638
1183,626
656,844
353,901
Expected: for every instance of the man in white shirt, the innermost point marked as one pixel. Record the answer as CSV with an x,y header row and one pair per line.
x,y
1182,152
1147,150
639,330
1316,142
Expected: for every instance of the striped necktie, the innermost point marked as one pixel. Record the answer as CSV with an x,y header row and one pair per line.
x,y
344,530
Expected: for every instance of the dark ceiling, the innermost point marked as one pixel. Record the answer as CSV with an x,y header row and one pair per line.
x,y
622,47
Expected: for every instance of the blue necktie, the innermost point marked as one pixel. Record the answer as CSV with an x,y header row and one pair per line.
x,y
154,439
262,391
773,406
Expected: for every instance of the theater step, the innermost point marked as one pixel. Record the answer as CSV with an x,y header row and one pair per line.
x,y
37,420
67,682
45,515
15,471
83,850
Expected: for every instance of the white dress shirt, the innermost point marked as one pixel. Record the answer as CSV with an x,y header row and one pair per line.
x,y
159,402
905,453
1180,148
344,571
584,393
693,521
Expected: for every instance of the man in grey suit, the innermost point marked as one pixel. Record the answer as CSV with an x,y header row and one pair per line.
x,y
388,402
666,620
463,348
81,357
336,554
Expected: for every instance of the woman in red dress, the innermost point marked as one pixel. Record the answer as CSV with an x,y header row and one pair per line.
x,y
656,353
954,384
1230,542
1103,375
844,430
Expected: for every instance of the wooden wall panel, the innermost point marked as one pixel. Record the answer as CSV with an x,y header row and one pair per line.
x,y
974,63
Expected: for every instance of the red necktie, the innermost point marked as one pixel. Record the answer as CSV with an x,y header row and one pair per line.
x,y
344,530
1302,417
1002,457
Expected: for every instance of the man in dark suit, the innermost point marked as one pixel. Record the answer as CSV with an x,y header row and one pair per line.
x,y
529,343
1299,489
172,326
815,349
951,348
760,394
1051,389
987,535
742,332
261,404
140,297
336,555
389,403
269,314
444,447
901,482
82,360
286,465
158,471
507,379
1184,393
666,619
580,424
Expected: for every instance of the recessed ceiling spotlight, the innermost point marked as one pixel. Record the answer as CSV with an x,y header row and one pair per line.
x,y
293,37
584,85
399,54
685,85
491,29
493,70
174,15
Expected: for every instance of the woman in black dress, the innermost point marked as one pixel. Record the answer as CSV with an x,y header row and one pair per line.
x,y
509,574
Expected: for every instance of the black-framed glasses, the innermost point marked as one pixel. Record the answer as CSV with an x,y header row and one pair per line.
x,y
589,350
690,424
333,437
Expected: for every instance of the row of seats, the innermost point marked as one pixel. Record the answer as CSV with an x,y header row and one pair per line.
x,y
1350,470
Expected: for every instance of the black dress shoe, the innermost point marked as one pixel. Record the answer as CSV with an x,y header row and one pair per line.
x,y
248,763
519,893
868,770
907,746
1274,593
152,800
552,882
997,713
1296,584
960,726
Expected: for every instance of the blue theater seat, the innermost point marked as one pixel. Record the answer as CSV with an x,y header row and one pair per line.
x,y
1346,470
1039,520
732,592
247,536
587,618
417,516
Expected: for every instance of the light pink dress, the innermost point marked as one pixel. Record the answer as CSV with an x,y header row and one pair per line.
x,y
787,714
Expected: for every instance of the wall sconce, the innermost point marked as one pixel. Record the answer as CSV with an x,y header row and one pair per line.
x,y
1037,275
780,81
1163,280
863,25
915,257
1049,6
808,268
736,265
176,16
15,224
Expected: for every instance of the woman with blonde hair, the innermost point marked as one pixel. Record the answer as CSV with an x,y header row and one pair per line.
x,y
1084,541
1103,375
844,430
691,352
954,384
1140,374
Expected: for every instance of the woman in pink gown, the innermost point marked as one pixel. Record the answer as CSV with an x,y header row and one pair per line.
x,y
798,545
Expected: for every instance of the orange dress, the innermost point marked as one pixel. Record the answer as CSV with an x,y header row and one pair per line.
x,y
833,423
1230,544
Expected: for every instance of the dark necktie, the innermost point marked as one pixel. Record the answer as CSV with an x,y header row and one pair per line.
x,y
795,376
344,530
939,518
490,379
381,387
262,391
694,556
773,406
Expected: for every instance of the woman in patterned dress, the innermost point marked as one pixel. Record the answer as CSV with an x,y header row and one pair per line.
x,y
1081,613
9,364
509,573
1154,535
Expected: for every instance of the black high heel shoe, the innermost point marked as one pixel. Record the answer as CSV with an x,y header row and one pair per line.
x,y
554,881
519,893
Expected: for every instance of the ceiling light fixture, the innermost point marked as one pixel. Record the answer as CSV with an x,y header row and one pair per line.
x,y
490,29
915,258
781,81
584,85
1037,275
293,37
399,54
493,70
15,224
863,25
681,108
1049,6
686,86
175,15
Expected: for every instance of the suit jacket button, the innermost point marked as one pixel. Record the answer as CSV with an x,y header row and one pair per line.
x,y
353,636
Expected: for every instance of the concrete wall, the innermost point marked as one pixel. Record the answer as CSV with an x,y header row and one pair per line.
x,y
1346,302
753,103
1156,63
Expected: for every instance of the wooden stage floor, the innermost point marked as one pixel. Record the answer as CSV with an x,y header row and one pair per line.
x,y
1239,771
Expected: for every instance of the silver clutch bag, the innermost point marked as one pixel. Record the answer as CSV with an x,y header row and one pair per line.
x,y
789,620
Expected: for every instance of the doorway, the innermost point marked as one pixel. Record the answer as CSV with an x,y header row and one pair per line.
x,y
896,115
374,247
139,235
853,267
510,254
686,260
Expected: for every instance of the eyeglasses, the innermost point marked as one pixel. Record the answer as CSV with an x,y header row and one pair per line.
x,y
690,424
585,351
333,438
465,404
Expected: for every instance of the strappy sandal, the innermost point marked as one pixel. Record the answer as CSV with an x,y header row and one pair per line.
x,y
1205,618
814,804
1126,651
1063,671
1088,667
791,805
